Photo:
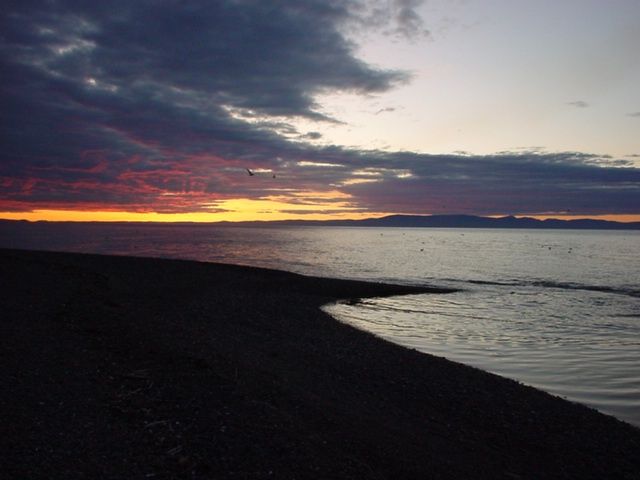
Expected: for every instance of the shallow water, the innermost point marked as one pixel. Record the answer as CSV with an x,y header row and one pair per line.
x,y
559,310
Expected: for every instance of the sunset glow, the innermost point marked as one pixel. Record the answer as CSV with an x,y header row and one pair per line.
x,y
228,211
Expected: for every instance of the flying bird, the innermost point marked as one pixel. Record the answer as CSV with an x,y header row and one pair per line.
x,y
251,174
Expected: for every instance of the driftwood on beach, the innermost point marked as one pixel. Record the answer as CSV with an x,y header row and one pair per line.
x,y
116,367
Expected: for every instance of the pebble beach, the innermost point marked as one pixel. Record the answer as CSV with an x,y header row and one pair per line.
x,y
123,367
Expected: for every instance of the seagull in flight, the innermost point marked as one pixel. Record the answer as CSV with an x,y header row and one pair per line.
x,y
251,174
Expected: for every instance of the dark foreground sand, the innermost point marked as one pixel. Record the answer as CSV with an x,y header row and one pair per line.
x,y
131,368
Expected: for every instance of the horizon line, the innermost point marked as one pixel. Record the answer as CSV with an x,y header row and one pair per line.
x,y
20,217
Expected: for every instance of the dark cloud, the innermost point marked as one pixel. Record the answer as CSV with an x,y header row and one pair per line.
x,y
160,106
579,104
634,114
312,135
152,85
498,184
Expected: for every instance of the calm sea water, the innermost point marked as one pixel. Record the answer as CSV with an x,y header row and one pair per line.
x,y
558,310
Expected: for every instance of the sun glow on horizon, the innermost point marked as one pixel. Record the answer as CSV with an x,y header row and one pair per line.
x,y
243,210
234,210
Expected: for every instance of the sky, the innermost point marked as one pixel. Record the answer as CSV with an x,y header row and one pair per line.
x,y
182,110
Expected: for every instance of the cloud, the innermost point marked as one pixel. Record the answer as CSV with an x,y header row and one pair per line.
x,y
579,104
312,135
385,110
158,87
634,114
319,211
140,107
395,18
498,184
408,22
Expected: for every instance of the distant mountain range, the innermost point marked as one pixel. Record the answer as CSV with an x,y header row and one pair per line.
x,y
445,221
457,221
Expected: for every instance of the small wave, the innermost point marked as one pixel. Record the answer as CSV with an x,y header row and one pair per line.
x,y
631,292
489,282
593,288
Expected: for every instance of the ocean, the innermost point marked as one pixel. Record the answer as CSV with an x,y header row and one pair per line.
x,y
555,309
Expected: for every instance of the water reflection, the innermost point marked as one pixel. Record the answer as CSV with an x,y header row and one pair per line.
x,y
591,362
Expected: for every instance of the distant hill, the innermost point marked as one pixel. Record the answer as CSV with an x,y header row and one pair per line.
x,y
458,221
434,221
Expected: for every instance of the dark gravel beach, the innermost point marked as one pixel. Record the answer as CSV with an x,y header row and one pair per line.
x,y
132,368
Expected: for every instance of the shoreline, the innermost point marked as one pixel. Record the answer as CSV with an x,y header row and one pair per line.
x,y
125,367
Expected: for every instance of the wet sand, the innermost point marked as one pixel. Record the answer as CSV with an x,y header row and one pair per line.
x,y
117,367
